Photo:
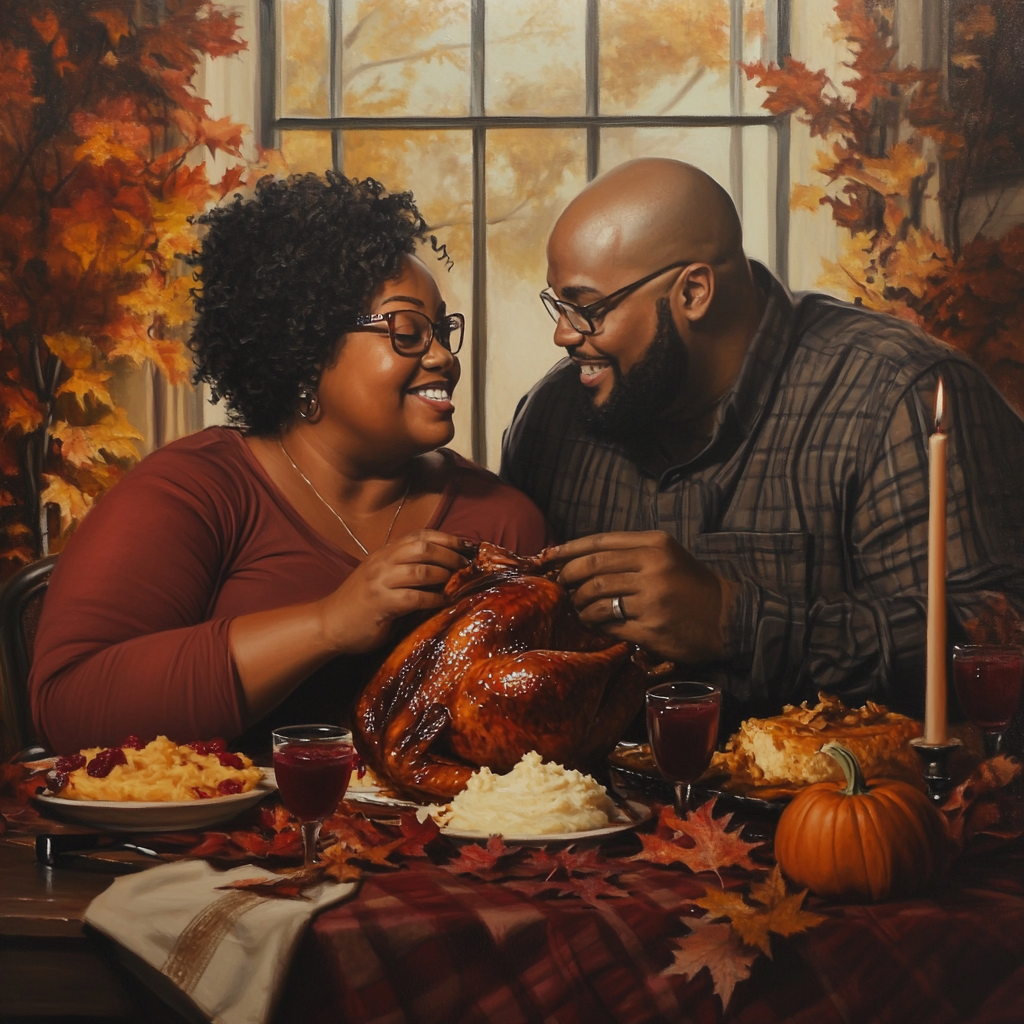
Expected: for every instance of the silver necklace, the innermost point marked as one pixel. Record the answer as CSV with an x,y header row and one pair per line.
x,y
334,511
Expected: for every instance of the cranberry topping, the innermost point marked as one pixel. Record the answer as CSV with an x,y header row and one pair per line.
x,y
201,793
69,763
132,742
230,760
214,746
229,786
57,782
103,763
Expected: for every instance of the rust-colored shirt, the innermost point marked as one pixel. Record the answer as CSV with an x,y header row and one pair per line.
x,y
134,631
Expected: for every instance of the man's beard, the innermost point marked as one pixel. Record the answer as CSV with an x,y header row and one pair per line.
x,y
629,416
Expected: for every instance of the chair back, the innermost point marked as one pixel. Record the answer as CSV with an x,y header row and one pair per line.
x,y
21,603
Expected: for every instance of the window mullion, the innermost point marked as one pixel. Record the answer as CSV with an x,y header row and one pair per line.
x,y
478,336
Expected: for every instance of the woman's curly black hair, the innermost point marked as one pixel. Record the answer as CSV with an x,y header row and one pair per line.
x,y
280,275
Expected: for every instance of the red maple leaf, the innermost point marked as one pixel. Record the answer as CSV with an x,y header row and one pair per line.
x,y
481,861
417,834
986,803
700,841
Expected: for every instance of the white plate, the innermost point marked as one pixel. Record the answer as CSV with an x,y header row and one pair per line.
x,y
377,799
157,815
638,814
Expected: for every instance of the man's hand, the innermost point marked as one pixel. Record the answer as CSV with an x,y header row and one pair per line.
x,y
673,604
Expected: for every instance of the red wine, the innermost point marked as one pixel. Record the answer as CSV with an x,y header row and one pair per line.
x,y
313,778
988,685
682,736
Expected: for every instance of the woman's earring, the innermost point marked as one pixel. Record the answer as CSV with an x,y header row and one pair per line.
x,y
309,404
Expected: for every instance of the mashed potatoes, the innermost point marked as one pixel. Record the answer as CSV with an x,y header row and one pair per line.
x,y
161,770
532,799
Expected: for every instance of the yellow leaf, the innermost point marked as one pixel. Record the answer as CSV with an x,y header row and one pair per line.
x,y
83,445
967,61
915,260
806,197
88,382
21,410
74,351
778,912
171,300
83,240
73,502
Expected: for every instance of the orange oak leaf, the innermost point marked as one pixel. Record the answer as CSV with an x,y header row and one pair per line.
x,y
775,911
717,948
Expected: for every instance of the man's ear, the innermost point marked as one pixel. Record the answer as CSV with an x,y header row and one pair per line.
x,y
693,292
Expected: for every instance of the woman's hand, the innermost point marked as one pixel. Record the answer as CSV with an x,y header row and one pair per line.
x,y
397,579
273,651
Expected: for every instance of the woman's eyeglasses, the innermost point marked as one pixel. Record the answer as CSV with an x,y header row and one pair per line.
x,y
411,332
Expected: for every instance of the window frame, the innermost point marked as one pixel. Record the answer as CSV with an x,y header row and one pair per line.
x,y
270,125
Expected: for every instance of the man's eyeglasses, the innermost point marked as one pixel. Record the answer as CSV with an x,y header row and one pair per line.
x,y
582,319
412,332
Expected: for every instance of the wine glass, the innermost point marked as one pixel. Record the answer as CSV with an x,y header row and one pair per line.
x,y
682,725
312,764
988,682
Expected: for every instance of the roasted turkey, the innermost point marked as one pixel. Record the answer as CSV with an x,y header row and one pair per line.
x,y
505,668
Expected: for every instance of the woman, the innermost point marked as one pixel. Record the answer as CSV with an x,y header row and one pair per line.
x,y
240,579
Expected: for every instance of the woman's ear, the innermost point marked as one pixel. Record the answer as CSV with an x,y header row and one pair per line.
x,y
693,293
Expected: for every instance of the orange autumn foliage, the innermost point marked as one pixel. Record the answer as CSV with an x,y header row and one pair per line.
x,y
888,129
99,178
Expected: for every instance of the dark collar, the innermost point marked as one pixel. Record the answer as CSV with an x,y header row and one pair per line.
x,y
766,356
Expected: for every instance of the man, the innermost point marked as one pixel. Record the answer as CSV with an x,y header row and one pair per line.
x,y
741,476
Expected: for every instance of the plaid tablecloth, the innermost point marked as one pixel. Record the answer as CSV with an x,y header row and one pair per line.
x,y
421,945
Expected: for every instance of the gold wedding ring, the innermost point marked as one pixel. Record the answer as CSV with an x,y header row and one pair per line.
x,y
618,611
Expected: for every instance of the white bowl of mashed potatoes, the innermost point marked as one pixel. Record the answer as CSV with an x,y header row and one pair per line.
x,y
535,802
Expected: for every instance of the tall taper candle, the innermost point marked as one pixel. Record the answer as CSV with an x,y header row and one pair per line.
x,y
935,694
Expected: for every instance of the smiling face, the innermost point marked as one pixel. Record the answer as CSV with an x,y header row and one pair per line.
x,y
582,273
383,405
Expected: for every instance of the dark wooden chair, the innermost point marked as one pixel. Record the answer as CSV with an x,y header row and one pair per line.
x,y
21,603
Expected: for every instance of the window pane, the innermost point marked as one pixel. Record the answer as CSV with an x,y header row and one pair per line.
x,y
405,58
742,160
535,61
664,57
437,167
531,176
305,66
307,151
758,45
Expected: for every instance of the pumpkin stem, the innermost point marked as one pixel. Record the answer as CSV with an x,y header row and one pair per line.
x,y
846,759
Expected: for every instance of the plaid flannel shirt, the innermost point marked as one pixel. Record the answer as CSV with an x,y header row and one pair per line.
x,y
812,495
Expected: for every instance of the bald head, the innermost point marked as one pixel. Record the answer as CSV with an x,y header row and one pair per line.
x,y
650,212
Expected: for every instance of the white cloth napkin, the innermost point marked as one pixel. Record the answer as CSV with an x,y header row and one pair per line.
x,y
228,950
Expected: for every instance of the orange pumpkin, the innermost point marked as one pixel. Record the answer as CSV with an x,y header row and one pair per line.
x,y
867,841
